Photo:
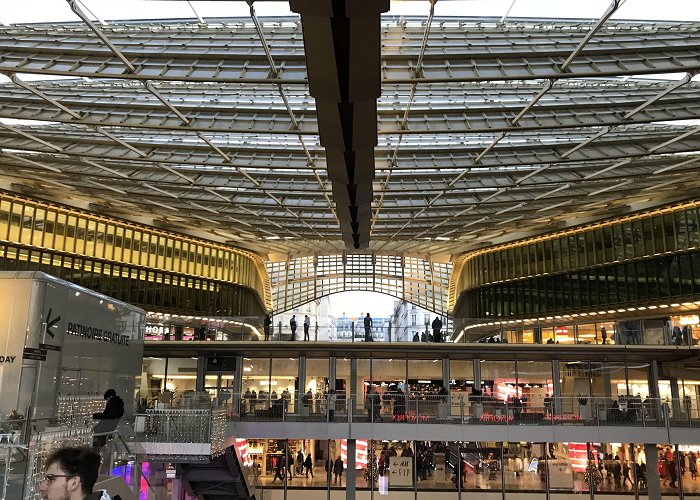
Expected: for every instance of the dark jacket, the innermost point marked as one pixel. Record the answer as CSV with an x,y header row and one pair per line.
x,y
113,409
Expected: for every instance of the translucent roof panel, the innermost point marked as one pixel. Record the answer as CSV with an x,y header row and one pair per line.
x,y
493,122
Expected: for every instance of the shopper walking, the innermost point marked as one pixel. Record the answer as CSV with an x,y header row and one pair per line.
x,y
673,473
279,469
307,325
692,465
309,466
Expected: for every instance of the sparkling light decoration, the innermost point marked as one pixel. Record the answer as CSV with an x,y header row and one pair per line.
x,y
75,410
8,444
41,445
218,432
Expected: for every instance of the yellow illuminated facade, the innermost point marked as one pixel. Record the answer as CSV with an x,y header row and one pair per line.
x,y
92,249
640,238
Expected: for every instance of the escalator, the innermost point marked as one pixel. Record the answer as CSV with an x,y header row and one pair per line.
x,y
222,478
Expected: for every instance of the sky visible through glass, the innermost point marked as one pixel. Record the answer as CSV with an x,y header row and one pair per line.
x,y
32,11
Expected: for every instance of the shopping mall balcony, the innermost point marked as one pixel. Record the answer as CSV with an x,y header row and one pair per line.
x,y
439,391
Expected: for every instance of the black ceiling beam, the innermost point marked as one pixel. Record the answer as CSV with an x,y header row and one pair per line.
x,y
343,47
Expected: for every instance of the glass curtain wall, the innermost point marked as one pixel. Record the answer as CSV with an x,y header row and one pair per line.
x,y
255,378
461,386
427,396
284,385
317,382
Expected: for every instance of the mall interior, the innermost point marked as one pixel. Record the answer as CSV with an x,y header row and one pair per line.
x,y
176,183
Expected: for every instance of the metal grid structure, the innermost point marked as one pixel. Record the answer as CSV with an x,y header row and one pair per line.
x,y
487,130
423,282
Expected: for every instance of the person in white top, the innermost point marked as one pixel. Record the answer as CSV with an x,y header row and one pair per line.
x,y
307,325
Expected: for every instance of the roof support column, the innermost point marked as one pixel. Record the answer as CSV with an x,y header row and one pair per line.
x,y
342,47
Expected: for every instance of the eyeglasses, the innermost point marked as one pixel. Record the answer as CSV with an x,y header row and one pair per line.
x,y
50,478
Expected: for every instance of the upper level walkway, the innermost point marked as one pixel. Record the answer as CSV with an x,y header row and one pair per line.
x,y
419,350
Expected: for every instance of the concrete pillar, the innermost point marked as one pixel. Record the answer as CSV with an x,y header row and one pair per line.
x,y
675,398
446,374
301,376
237,385
201,370
353,383
556,386
653,482
331,372
606,381
477,374
653,380
350,472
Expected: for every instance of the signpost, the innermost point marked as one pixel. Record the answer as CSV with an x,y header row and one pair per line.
x,y
35,354
50,347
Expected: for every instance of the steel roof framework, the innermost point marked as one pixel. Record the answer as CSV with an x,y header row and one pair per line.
x,y
485,129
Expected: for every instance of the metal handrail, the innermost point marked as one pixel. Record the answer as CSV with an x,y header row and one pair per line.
x,y
474,409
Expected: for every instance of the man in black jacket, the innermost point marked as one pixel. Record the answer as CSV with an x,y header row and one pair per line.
x,y
114,407
437,329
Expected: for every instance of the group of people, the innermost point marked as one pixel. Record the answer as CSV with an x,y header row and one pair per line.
x,y
619,472
682,336
284,464
267,326
367,322
669,466
334,470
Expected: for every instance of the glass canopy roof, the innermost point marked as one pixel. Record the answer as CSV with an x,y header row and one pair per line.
x,y
488,128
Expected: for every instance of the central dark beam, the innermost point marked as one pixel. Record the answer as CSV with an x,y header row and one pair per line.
x,y
343,52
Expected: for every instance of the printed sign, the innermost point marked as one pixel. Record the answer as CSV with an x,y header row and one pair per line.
x,y
401,471
50,347
560,475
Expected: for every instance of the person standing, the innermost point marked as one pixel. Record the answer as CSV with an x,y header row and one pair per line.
x,y
309,466
692,465
368,328
300,462
329,469
307,325
604,334
293,327
289,461
267,323
437,329
338,471
71,474
673,473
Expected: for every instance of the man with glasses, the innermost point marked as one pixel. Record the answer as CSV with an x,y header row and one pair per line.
x,y
71,474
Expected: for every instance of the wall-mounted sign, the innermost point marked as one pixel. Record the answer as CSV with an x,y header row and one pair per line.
x,y
401,471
